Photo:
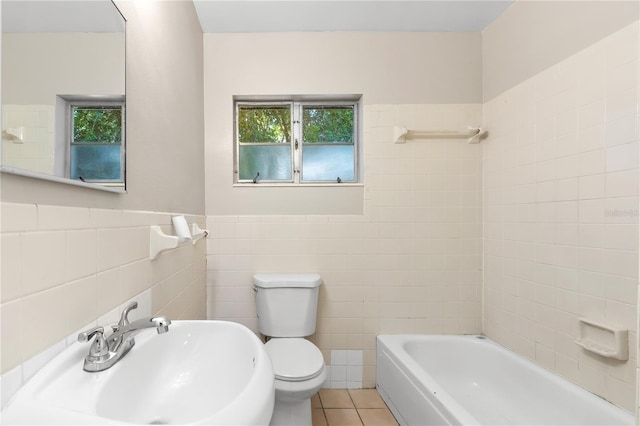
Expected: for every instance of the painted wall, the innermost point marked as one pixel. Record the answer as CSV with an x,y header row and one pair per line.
x,y
389,68
165,130
39,66
531,36
560,212
74,256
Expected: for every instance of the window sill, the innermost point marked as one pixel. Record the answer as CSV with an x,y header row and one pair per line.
x,y
298,185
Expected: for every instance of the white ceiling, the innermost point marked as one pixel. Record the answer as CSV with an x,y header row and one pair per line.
x,y
251,16
255,16
50,16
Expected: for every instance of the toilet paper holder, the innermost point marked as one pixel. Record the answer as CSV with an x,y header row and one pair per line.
x,y
159,241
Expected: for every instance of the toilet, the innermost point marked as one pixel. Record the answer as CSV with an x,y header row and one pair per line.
x,y
287,305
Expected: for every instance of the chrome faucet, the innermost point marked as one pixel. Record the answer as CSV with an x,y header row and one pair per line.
x,y
107,351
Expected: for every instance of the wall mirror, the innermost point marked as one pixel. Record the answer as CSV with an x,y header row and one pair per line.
x,y
63,91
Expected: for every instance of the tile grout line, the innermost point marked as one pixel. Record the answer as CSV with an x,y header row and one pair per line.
x,y
354,406
324,414
353,403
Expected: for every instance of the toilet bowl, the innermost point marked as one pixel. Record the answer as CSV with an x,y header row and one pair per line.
x,y
300,372
286,305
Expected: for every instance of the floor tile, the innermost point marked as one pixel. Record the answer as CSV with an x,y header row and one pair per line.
x,y
317,417
342,417
315,401
366,398
335,398
377,417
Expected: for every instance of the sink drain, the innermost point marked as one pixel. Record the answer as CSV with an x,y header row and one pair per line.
x,y
158,422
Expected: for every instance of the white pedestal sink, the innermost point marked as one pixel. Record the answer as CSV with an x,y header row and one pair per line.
x,y
200,372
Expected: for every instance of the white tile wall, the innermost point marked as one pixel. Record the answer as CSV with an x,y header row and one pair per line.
x,y
346,369
410,264
37,151
77,267
12,380
560,204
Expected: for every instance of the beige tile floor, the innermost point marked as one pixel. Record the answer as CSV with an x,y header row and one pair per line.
x,y
354,407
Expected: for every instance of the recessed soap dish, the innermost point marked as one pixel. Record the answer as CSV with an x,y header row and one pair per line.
x,y
603,339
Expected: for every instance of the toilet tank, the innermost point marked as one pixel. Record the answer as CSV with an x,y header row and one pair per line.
x,y
287,304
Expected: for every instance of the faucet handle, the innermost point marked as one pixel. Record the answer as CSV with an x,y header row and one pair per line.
x,y
124,320
85,336
99,346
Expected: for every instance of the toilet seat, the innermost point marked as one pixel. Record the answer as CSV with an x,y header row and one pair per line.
x,y
294,359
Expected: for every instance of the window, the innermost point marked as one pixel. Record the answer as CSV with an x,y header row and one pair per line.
x,y
96,153
95,141
296,142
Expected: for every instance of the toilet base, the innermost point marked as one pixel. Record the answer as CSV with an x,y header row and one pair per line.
x,y
293,401
292,413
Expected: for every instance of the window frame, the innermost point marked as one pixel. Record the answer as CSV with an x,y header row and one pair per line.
x,y
238,104
297,154
89,102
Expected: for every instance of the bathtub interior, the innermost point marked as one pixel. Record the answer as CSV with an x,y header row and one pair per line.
x,y
480,382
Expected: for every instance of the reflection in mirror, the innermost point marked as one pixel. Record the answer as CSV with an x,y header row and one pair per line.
x,y
63,90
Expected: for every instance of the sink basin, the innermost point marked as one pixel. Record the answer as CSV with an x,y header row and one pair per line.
x,y
200,372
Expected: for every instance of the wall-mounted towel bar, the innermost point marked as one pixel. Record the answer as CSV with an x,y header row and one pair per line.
x,y
401,134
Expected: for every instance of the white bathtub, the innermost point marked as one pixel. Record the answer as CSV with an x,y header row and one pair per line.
x,y
470,380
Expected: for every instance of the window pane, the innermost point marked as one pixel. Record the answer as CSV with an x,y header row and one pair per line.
x,y
327,124
273,162
95,162
97,124
328,162
264,124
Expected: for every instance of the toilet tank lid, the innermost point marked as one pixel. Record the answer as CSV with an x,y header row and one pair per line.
x,y
287,280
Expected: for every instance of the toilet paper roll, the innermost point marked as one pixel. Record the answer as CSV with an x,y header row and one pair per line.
x,y
182,228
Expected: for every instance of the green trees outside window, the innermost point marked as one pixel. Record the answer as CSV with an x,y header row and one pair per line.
x,y
97,124
96,153
327,124
296,142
